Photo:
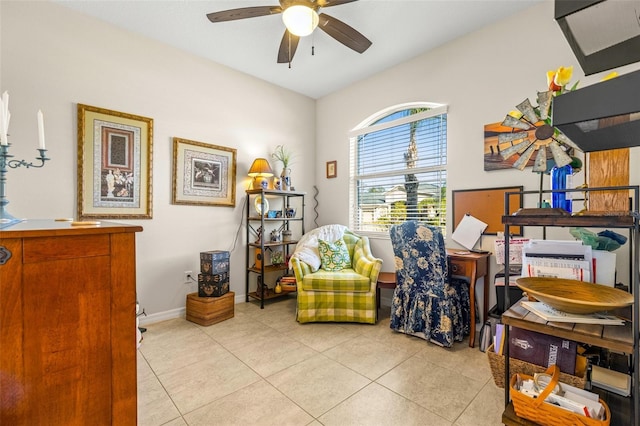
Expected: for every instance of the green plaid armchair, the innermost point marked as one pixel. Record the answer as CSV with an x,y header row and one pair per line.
x,y
348,295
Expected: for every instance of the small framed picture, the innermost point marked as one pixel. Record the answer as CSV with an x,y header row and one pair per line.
x,y
203,174
332,169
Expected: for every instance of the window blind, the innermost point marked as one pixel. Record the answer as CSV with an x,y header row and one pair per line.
x,y
398,170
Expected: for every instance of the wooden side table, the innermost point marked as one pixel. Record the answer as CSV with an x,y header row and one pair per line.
x,y
385,280
474,266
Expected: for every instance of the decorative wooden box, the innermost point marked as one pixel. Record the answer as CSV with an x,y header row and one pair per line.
x,y
210,310
213,285
214,262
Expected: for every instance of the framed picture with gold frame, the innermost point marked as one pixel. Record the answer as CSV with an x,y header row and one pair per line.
x,y
203,174
114,164
332,169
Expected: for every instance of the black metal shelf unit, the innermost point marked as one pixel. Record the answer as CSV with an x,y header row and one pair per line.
x,y
628,220
289,216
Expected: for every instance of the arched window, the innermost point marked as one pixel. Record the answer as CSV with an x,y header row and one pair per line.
x,y
398,168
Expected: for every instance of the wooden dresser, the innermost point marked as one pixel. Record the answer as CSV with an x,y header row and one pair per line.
x,y
67,324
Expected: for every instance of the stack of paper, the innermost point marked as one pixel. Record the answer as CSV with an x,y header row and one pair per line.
x,y
548,313
557,259
515,250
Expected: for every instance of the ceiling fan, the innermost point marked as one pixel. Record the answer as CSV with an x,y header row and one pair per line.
x,y
300,18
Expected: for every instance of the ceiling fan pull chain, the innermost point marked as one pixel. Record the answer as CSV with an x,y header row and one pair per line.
x,y
289,49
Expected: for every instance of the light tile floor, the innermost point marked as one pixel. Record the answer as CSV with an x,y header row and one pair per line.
x,y
263,368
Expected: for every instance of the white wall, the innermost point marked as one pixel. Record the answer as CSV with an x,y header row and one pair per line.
x,y
481,76
54,58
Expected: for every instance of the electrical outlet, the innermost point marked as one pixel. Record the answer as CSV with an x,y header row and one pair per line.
x,y
188,275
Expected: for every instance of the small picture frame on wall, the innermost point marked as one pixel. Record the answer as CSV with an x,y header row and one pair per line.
x,y
332,169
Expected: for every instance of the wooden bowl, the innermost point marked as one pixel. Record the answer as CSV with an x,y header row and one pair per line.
x,y
574,297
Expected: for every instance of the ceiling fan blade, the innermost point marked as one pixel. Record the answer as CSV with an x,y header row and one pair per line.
x,y
343,33
288,47
242,13
329,3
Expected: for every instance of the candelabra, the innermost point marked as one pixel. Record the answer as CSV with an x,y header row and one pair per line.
x,y
5,161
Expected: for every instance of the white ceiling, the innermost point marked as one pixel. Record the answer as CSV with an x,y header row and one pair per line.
x,y
399,30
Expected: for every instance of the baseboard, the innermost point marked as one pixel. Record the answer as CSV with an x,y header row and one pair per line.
x,y
175,313
162,316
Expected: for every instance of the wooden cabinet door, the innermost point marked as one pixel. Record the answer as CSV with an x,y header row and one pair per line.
x,y
67,344
67,330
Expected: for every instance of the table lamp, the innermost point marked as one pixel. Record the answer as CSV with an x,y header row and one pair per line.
x,y
260,170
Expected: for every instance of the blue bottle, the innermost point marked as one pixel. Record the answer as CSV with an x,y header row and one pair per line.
x,y
561,178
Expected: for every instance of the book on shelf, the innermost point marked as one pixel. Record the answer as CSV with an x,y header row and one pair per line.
x,y
498,344
543,349
549,313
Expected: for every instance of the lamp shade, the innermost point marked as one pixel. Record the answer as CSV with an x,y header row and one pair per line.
x,y
300,20
260,167
603,34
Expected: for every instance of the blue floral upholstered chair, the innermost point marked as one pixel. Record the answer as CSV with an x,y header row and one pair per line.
x,y
336,276
426,302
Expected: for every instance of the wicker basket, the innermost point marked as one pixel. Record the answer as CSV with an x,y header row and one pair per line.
x,y
496,362
545,414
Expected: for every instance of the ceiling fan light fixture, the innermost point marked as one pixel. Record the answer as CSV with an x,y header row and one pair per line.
x,y
300,20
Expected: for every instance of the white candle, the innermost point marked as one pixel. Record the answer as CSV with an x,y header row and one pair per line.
x,y
4,118
5,111
40,130
5,103
6,126
3,133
